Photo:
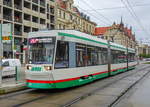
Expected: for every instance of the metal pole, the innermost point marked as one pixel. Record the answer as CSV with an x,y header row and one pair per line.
x,y
1,55
109,58
127,56
12,41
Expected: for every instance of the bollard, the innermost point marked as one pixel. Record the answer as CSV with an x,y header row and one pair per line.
x,y
16,72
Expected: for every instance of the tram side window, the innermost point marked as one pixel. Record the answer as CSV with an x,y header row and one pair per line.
x,y
104,56
81,58
114,56
92,55
131,57
62,55
118,57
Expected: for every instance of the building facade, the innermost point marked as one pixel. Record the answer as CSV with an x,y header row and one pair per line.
x,y
69,17
26,16
117,33
143,49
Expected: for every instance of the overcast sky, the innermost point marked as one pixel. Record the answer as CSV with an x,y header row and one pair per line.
x,y
105,12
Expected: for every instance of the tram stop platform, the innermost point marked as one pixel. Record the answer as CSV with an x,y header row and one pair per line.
x,y
13,83
8,88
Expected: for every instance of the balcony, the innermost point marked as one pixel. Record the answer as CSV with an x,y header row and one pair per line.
x,y
17,19
52,19
52,3
26,10
36,25
27,5
17,29
42,26
42,15
1,16
52,10
35,13
52,26
1,2
35,1
7,3
27,23
25,34
16,32
17,7
7,17
42,3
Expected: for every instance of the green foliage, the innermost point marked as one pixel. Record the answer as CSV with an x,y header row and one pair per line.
x,y
147,63
145,55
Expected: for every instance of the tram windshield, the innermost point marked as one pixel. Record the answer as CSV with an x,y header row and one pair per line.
x,y
41,50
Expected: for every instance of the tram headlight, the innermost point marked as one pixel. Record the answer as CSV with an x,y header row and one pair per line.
x,y
29,67
48,68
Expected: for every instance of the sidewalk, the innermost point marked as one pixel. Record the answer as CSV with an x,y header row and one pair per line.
x,y
10,84
7,88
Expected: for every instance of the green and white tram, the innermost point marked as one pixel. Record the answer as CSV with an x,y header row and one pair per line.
x,y
67,58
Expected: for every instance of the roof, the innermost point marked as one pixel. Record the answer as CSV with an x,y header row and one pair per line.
x,y
101,30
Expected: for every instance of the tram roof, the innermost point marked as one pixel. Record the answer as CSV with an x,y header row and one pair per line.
x,y
78,35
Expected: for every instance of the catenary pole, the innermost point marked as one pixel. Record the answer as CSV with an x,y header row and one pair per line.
x,y
109,58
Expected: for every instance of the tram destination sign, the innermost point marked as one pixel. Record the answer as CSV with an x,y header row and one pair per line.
x,y
41,40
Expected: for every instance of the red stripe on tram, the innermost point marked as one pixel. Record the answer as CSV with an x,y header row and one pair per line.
x,y
70,79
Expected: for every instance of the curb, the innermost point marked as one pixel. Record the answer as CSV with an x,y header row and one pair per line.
x,y
14,88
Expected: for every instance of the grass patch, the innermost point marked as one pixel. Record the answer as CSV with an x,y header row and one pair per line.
x,y
147,63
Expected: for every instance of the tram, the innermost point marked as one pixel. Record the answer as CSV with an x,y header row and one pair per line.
x,y
68,58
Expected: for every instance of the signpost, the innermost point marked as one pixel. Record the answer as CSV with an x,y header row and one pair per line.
x,y
6,33
1,55
5,37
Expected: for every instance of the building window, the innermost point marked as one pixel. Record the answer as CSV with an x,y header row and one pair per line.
x,y
34,19
27,17
70,6
59,13
64,15
71,17
27,29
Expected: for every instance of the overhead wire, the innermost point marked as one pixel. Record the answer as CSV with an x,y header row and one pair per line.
x,y
119,7
133,14
107,19
94,16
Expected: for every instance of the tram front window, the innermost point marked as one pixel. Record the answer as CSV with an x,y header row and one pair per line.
x,y
41,51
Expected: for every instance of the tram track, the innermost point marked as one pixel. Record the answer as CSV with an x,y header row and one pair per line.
x,y
73,101
16,93
114,103
77,99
